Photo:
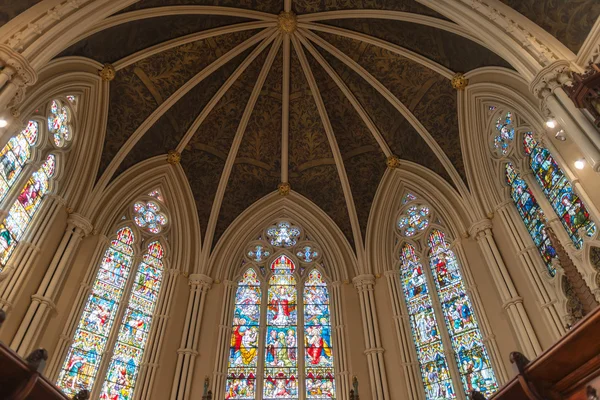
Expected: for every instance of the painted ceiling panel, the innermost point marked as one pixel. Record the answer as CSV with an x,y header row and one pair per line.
x,y
138,89
204,157
256,171
10,9
364,161
270,6
311,6
570,21
117,42
448,49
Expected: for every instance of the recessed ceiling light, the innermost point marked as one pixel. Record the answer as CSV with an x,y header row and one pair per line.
x,y
551,124
580,164
3,123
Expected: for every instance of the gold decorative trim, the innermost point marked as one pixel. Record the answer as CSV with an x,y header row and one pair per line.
x,y
107,73
284,188
459,82
287,21
173,157
392,162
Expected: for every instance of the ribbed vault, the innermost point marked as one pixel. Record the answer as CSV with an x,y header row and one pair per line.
x,y
249,105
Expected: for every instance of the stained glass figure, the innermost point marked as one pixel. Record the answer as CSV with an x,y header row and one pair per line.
x,y
281,353
147,215
157,195
505,134
415,219
318,348
425,330
471,356
243,353
258,253
14,156
59,123
283,234
408,197
80,367
133,333
24,208
532,216
570,209
307,254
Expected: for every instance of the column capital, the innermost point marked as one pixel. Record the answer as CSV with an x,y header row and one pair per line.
x,y
204,282
16,67
187,351
374,350
512,302
480,226
550,78
81,222
391,273
364,282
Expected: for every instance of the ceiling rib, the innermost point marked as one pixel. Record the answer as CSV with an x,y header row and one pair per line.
x,y
394,48
356,232
386,93
285,109
222,90
174,98
169,44
216,207
349,95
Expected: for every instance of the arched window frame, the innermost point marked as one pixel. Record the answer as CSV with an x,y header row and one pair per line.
x,y
301,274
419,242
143,239
40,151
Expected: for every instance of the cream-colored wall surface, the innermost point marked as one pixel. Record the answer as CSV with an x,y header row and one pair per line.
x,y
36,273
207,348
395,372
496,316
357,360
161,389
515,269
82,262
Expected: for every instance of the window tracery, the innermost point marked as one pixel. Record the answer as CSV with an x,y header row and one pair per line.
x,y
288,365
441,316
59,122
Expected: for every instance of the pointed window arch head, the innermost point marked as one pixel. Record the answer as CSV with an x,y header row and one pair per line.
x,y
15,154
408,197
147,215
283,234
532,216
81,365
157,195
571,210
467,342
424,326
505,134
414,220
59,123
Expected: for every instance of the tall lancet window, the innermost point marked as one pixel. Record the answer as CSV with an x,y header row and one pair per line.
x,y
441,316
113,331
294,358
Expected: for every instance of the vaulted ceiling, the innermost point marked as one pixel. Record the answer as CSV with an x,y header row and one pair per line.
x,y
361,88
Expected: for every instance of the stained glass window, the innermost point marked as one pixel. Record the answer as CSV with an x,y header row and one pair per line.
x,y
283,234
531,214
318,349
81,365
471,356
281,353
59,123
133,333
414,219
148,216
23,209
307,254
243,353
570,209
258,253
157,195
14,156
408,197
505,134
425,330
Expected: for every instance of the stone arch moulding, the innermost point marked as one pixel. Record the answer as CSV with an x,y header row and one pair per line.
x,y
340,259
430,188
106,208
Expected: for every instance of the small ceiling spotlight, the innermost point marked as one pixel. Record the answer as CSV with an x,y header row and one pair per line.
x,y
580,164
561,135
551,124
3,123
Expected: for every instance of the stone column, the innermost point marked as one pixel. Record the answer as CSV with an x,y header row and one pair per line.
x,y
374,351
200,284
512,302
341,355
547,86
42,302
408,354
224,340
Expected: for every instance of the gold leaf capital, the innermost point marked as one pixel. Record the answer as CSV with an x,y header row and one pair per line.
x,y
173,157
459,82
287,21
284,188
393,162
107,73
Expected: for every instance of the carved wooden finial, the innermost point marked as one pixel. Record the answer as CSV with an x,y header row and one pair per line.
x,y
173,157
459,82
287,21
107,73
392,162
284,188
